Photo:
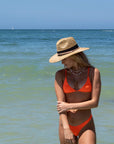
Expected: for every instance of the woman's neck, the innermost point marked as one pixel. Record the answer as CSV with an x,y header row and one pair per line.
x,y
77,71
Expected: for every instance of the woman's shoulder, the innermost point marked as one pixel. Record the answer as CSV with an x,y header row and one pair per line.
x,y
60,73
96,70
97,73
93,72
59,77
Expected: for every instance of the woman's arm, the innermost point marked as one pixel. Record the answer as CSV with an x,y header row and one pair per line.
x,y
61,97
68,135
96,88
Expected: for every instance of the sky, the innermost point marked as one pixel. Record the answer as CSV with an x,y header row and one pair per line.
x,y
57,14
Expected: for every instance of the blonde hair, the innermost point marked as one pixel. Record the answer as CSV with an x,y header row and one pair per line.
x,y
81,60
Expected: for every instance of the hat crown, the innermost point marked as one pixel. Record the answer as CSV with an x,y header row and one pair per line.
x,y
65,48
65,43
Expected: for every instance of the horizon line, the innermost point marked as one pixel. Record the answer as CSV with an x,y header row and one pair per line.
x,y
57,29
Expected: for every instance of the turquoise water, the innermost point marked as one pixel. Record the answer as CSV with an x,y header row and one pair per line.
x,y
27,98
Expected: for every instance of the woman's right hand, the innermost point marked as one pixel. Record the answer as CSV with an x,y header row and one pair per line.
x,y
69,137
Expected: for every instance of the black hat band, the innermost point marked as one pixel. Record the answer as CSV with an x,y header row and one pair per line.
x,y
60,53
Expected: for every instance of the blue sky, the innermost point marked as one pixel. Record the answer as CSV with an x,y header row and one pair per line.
x,y
57,14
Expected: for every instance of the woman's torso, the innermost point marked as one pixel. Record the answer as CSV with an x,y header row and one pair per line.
x,y
76,92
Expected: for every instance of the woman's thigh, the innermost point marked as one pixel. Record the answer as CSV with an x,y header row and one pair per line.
x,y
88,134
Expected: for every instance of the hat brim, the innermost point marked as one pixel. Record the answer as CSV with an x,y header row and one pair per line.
x,y
55,58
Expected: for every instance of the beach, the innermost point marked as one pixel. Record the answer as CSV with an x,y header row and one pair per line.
x,y
28,102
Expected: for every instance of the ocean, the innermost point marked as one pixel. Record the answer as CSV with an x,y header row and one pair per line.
x,y
27,97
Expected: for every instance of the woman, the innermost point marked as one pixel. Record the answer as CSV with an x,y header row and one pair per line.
x,y
77,89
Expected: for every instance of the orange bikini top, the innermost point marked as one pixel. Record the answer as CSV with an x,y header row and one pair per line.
x,y
87,87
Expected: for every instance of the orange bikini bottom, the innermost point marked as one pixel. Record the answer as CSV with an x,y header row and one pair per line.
x,y
76,129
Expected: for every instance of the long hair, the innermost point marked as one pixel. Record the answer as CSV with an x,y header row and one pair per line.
x,y
81,60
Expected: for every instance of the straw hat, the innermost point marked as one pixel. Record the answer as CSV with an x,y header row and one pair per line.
x,y
65,48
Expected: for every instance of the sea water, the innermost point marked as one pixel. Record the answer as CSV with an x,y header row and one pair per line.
x,y
27,98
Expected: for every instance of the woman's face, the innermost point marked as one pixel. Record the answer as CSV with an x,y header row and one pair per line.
x,y
68,62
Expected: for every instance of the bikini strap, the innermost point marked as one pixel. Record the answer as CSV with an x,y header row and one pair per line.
x,y
65,73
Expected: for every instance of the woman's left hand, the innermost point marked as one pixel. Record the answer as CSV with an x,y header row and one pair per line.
x,y
62,106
